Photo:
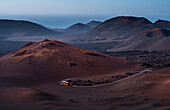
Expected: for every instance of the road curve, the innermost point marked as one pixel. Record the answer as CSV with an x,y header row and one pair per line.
x,y
143,71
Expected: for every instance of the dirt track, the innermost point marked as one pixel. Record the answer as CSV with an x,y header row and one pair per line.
x,y
91,77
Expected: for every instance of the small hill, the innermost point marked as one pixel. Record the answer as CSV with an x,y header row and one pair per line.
x,y
78,28
24,28
150,39
93,24
51,61
162,24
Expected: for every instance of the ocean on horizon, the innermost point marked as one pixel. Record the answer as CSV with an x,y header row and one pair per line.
x,y
64,21
59,21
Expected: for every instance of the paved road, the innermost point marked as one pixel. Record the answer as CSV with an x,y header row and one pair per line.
x,y
143,71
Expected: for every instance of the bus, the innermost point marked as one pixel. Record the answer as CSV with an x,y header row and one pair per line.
x,y
65,83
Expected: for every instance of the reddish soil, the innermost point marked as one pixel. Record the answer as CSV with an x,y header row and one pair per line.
x,y
29,80
52,61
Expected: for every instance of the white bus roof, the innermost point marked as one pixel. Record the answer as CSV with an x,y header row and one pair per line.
x,y
64,82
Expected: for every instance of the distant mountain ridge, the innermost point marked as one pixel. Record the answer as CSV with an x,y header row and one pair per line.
x,y
24,28
139,20
93,23
117,28
81,28
120,29
78,28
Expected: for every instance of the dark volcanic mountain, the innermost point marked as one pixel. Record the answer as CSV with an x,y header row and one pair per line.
x,y
162,24
78,28
24,28
118,28
52,61
150,39
93,24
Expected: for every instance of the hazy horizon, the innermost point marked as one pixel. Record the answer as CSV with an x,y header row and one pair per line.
x,y
64,21
63,13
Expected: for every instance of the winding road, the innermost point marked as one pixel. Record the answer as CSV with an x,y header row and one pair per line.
x,y
141,72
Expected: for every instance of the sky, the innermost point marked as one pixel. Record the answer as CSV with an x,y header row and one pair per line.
x,y
151,9
123,7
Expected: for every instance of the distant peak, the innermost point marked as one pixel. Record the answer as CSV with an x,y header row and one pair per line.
x,y
79,24
93,23
129,17
141,20
14,21
46,40
161,21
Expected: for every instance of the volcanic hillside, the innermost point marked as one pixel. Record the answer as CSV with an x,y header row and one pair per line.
x,y
52,61
162,24
93,24
23,28
117,28
150,39
78,28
